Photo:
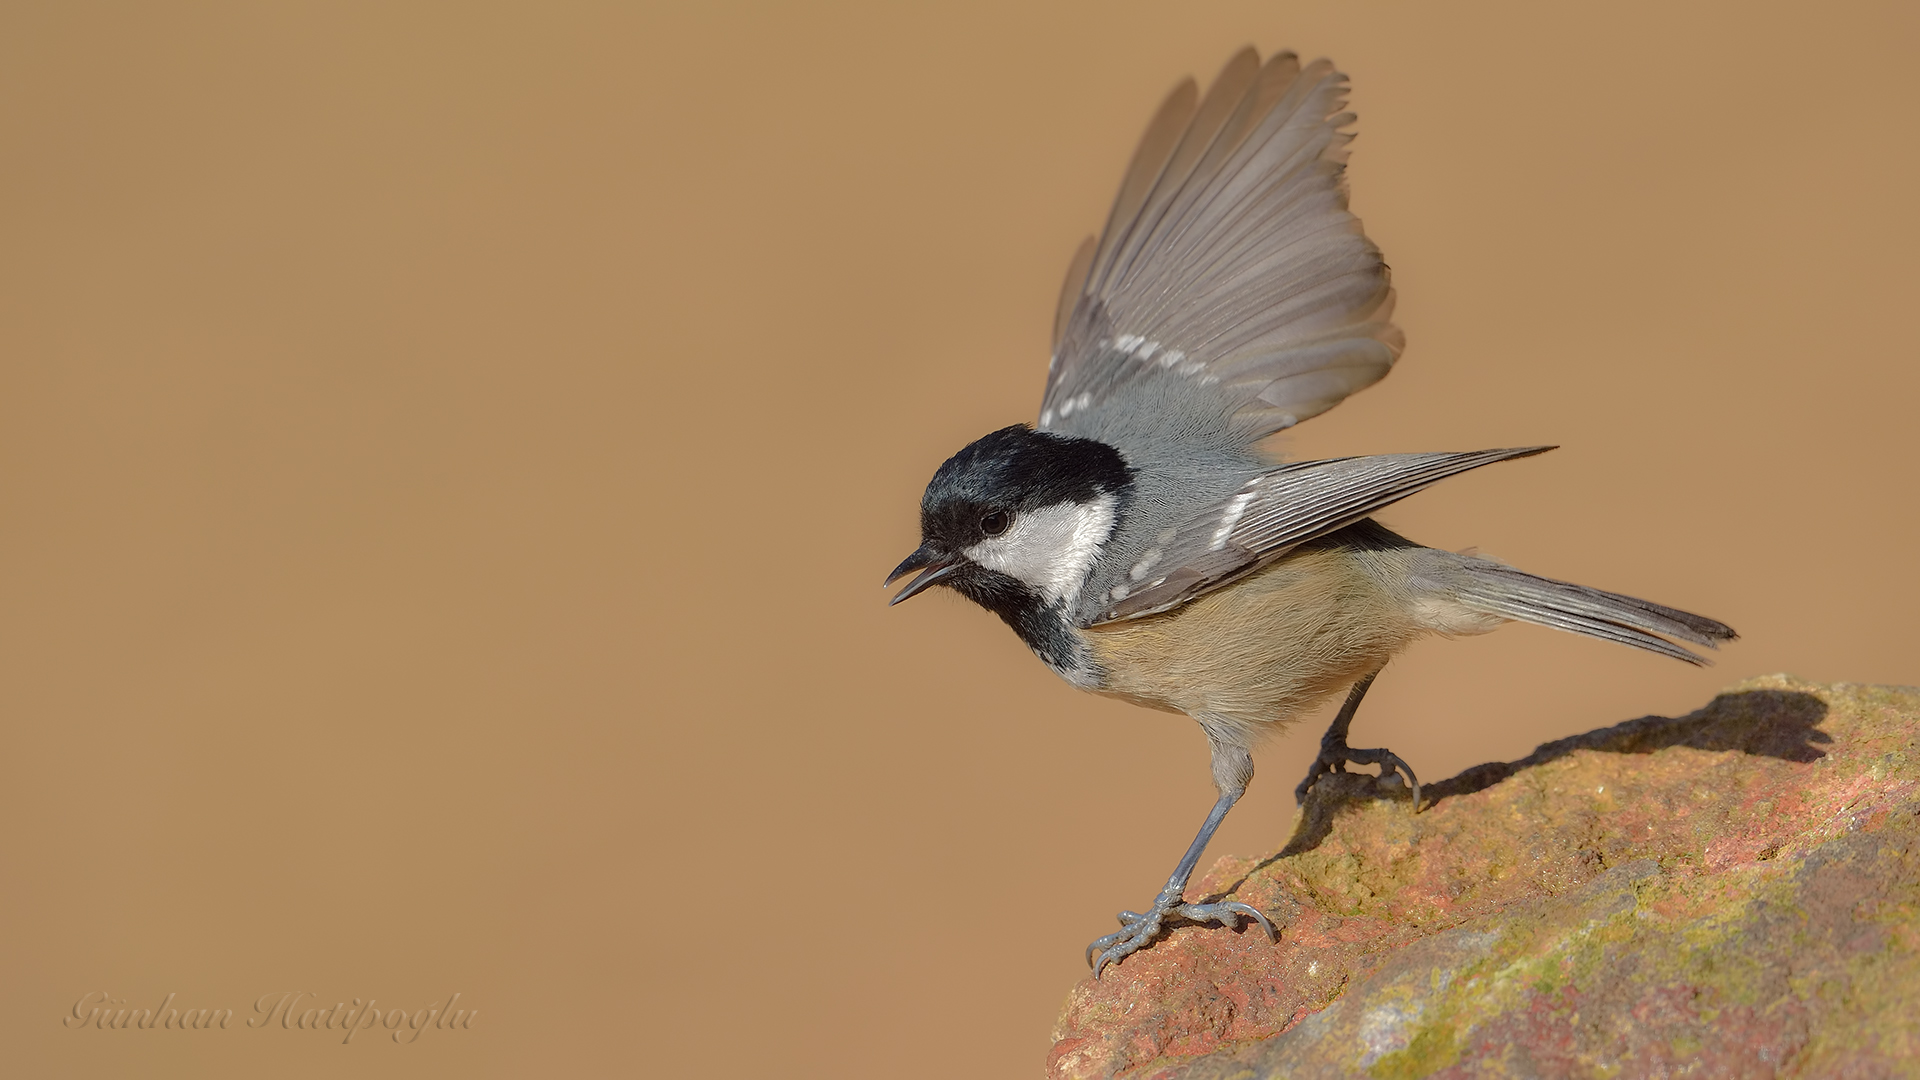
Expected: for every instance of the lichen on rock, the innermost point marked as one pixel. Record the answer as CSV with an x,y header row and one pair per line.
x,y
1735,892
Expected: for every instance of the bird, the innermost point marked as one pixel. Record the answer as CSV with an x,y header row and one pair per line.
x,y
1144,541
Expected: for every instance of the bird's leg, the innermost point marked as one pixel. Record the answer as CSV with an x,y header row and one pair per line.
x,y
1232,769
1335,753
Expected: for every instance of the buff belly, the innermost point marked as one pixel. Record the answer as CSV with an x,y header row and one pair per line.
x,y
1264,650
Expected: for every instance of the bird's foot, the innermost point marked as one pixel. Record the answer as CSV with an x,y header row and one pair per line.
x,y
1334,757
1137,930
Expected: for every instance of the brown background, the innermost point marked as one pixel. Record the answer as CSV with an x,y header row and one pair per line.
x,y
450,453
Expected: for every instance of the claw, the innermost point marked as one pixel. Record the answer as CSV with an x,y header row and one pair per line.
x,y
1334,758
1139,930
1099,945
1248,911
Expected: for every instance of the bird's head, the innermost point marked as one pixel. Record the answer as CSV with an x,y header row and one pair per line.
x,y
1017,519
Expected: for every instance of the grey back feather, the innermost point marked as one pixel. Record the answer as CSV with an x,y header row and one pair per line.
x,y
1270,514
1231,263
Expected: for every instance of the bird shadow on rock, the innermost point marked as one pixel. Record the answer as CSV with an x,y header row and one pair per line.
x,y
1765,723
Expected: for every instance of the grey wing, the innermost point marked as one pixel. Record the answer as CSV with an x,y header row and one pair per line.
x,y
1269,516
1230,263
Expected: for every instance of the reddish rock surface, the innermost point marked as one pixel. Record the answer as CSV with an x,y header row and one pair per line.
x,y
1735,892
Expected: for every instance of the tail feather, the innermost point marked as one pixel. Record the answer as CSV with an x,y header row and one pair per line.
x,y
1501,590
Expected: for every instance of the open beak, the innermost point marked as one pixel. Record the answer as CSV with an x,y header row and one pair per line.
x,y
933,565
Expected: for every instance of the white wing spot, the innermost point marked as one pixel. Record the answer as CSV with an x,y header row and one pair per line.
x,y
1118,592
1145,564
1138,346
1236,507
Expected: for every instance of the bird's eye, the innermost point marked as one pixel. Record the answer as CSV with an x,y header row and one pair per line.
x,y
995,523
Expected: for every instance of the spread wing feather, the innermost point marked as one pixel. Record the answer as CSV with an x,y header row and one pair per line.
x,y
1230,259
1271,515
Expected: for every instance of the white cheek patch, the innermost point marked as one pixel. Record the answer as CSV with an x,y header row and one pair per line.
x,y
1050,549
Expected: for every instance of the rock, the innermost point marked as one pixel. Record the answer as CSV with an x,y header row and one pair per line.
x,y
1735,892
